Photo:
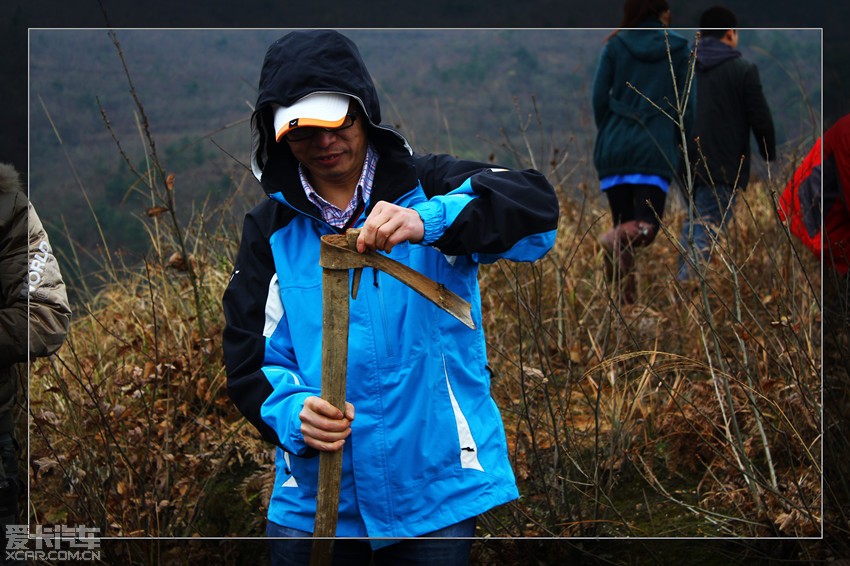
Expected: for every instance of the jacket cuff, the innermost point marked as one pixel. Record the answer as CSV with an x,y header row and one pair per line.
x,y
295,443
433,218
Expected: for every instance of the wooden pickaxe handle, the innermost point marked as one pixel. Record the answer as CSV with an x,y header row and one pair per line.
x,y
334,363
338,254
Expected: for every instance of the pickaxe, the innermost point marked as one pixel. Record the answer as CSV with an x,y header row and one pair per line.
x,y
338,254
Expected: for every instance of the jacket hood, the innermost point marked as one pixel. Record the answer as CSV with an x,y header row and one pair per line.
x,y
711,52
302,63
645,45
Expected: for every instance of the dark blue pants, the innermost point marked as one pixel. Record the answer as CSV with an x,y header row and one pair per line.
x,y
295,546
712,211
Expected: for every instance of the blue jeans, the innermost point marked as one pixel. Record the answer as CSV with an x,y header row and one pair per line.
x,y
712,210
295,546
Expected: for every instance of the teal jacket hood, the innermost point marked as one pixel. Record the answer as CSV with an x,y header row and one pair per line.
x,y
650,46
633,96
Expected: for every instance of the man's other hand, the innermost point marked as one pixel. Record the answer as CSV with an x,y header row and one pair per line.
x,y
323,426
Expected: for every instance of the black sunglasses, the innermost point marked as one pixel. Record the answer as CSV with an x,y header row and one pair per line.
x,y
306,132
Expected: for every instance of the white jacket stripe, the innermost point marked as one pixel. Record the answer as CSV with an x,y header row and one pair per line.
x,y
274,307
468,449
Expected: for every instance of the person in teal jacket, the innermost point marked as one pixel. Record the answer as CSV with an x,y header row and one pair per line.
x,y
637,89
424,446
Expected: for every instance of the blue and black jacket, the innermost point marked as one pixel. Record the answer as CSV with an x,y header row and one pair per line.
x,y
428,447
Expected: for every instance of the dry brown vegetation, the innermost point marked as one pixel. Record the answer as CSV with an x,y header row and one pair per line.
x,y
656,419
700,401
695,412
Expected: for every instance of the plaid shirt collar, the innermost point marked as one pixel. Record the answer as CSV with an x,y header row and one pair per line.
x,y
332,214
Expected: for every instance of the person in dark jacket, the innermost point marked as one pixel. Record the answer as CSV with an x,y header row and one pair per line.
x,y
640,105
730,105
34,317
427,450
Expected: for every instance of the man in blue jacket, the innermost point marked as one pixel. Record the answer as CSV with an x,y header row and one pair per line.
x,y
730,104
425,449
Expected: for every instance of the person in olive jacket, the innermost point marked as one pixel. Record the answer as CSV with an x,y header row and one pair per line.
x,y
730,104
34,317
637,101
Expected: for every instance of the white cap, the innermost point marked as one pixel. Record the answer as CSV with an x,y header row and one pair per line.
x,y
321,110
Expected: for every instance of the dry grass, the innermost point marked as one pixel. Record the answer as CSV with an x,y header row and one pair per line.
x,y
694,412
132,429
705,396
661,418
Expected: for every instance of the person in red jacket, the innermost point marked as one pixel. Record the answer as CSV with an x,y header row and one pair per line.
x,y
815,207
823,179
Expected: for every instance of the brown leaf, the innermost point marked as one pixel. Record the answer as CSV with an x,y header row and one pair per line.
x,y
155,211
45,464
533,373
785,522
118,410
201,388
169,182
176,261
149,370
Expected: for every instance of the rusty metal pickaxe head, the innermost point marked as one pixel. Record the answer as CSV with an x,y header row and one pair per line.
x,y
339,251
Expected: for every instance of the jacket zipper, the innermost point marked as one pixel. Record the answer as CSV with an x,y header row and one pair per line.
x,y
388,344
